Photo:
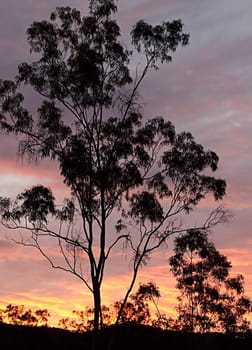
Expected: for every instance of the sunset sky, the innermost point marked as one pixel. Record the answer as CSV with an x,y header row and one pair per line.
x,y
206,90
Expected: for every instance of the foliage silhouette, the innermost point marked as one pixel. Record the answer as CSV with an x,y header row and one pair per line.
x,y
210,299
83,320
19,315
136,310
113,161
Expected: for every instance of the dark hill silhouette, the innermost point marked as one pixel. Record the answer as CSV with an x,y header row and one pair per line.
x,y
14,337
128,336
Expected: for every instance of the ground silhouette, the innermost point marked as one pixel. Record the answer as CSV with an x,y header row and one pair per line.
x,y
128,336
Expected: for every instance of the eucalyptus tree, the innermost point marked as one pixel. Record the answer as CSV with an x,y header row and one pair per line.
x,y
115,163
210,299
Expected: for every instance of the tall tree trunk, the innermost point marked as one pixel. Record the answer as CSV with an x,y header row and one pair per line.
x,y
97,314
97,309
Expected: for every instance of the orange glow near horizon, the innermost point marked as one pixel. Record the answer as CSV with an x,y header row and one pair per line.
x,y
71,294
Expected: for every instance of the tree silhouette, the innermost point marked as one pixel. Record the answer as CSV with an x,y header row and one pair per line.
x,y
113,161
82,321
19,315
136,310
210,299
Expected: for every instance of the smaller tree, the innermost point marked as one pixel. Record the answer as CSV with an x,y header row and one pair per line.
x,y
19,315
210,299
83,320
136,310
